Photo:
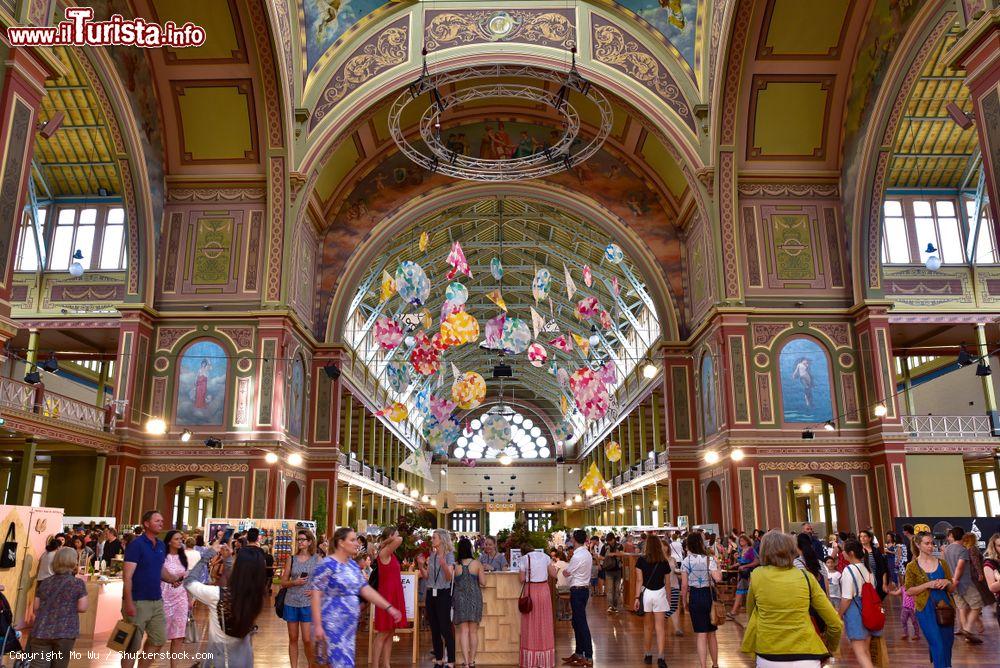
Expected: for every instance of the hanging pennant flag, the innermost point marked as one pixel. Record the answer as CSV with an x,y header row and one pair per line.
x,y
496,268
588,277
540,284
456,258
587,308
563,404
418,463
582,343
605,320
537,322
388,286
614,286
497,298
424,239
570,285
561,343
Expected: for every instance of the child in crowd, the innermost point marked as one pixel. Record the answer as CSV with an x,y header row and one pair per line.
x,y
835,575
908,614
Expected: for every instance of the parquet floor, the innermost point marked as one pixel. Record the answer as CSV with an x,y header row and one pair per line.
x,y
617,643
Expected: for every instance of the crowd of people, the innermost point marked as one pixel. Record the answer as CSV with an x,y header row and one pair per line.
x,y
799,593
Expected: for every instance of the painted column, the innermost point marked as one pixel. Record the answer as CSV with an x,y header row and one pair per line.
x,y
911,407
989,394
95,494
25,474
102,384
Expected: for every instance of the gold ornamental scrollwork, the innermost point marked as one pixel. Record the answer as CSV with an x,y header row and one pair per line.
x,y
194,468
456,28
815,466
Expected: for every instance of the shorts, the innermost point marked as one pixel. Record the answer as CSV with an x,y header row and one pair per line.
x,y
970,598
600,574
655,600
149,620
293,613
853,625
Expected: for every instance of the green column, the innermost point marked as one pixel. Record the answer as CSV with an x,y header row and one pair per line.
x,y
25,473
988,393
102,382
911,407
95,496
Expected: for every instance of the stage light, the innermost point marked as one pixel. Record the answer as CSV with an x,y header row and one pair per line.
x,y
271,458
983,369
51,364
332,371
213,443
156,426
185,435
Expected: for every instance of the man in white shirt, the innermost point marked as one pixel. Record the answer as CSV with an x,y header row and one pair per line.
x,y
676,549
578,575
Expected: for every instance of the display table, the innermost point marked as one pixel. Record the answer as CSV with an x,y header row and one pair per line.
x,y
500,630
104,608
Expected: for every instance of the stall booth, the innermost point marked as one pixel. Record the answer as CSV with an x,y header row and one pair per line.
x,y
279,534
30,529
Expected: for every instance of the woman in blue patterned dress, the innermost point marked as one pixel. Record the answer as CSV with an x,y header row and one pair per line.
x,y
336,585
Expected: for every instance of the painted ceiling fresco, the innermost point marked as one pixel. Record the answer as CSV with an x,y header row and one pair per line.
x,y
325,21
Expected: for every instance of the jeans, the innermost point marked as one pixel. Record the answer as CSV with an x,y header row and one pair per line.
x,y
442,632
613,585
578,603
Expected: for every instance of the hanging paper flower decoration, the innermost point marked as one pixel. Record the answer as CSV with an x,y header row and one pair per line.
x,y
387,333
388,286
605,317
563,431
456,258
570,285
396,412
537,354
424,240
496,432
497,298
587,308
614,286
496,268
456,293
613,451
425,356
613,253
516,336
441,408
562,377
458,328
588,276
397,373
468,391
609,372
540,284
441,433
561,343
494,331
582,344
589,394
412,283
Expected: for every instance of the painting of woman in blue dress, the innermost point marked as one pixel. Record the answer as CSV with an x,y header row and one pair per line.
x,y
805,382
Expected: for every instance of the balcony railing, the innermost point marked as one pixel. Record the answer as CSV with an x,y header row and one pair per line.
x,y
35,399
947,426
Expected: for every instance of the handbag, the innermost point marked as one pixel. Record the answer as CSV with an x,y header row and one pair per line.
x,y
718,616
8,553
524,603
945,614
190,629
817,621
121,636
279,602
639,609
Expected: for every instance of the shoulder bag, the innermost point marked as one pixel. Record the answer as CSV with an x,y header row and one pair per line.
x,y
8,553
944,612
718,607
817,621
524,603
640,610
279,598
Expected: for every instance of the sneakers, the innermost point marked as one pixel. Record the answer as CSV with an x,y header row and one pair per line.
x,y
660,663
648,659
569,660
973,640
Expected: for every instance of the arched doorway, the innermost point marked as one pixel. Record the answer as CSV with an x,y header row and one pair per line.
x,y
192,500
713,504
292,496
819,499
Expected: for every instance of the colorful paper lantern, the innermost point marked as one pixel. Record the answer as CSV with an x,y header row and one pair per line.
x,y
563,431
387,332
540,284
613,253
613,451
458,328
516,336
456,293
589,394
537,355
496,432
412,283
469,390
425,356
396,412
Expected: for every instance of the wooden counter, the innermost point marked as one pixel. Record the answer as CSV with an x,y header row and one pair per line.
x,y
500,630
630,586
103,610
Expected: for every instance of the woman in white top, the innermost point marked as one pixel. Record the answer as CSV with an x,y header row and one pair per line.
x,y
232,610
853,577
538,642
699,573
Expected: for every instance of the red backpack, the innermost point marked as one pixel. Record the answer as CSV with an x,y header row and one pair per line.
x,y
872,612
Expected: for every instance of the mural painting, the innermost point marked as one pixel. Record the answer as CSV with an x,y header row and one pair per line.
x,y
327,20
805,382
201,384
709,402
674,19
296,387
396,181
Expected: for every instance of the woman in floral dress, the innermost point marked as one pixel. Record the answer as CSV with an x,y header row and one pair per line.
x,y
336,585
175,598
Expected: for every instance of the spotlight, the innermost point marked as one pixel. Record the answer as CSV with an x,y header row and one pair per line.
x,y
186,435
983,369
156,426
806,488
506,459
830,426
503,371
711,457
213,443
880,410
649,370
737,455
50,126
76,269
414,493
295,459
350,503
51,364
808,434
400,487
271,458
569,502
332,371
32,378
577,498
965,358
434,502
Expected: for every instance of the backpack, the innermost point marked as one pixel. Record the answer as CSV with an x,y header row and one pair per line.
x,y
872,612
610,563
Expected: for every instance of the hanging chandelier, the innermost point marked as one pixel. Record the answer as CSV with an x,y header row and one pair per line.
x,y
475,84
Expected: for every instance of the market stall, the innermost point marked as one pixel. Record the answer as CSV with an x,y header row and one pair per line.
x,y
280,534
30,528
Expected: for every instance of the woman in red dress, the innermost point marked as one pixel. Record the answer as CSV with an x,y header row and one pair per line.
x,y
390,586
201,397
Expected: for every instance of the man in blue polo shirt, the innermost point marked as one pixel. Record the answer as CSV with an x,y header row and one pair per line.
x,y
142,603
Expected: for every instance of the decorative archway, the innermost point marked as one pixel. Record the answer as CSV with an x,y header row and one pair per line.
x,y
293,498
713,504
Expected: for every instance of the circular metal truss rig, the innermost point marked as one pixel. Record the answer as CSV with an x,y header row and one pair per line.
x,y
550,160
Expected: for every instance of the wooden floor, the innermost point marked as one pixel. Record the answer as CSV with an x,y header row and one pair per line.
x,y
617,642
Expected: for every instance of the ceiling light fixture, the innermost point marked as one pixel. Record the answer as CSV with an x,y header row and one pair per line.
x,y
880,410
595,338
933,262
76,269
271,458
737,455
295,459
711,457
649,369
806,488
156,426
